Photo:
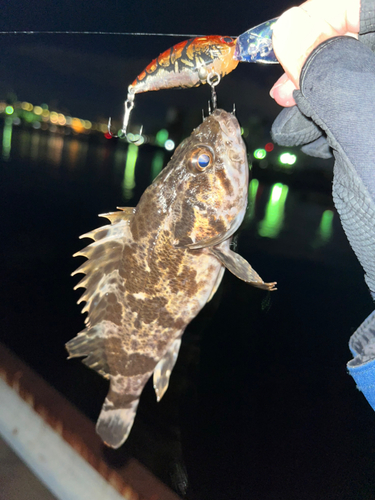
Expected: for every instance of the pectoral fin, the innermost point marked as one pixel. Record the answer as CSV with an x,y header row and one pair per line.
x,y
164,369
241,268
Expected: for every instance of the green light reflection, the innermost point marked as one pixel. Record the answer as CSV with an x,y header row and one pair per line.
x,y
157,164
325,227
7,138
253,189
273,221
129,183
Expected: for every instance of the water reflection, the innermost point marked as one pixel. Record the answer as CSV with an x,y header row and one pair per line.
x,y
266,205
325,230
128,183
77,151
273,221
157,164
24,145
7,138
35,145
253,190
55,148
217,379
39,146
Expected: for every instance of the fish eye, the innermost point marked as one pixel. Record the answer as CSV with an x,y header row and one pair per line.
x,y
202,158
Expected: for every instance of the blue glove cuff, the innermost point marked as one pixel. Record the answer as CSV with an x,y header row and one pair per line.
x,y
362,366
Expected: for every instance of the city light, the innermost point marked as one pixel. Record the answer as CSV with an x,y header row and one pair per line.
x,y
26,106
161,137
169,145
287,159
259,154
77,125
61,120
52,119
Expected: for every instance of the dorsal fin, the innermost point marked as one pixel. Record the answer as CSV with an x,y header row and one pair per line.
x,y
101,270
126,213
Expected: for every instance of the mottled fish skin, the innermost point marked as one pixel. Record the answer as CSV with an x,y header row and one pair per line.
x,y
151,271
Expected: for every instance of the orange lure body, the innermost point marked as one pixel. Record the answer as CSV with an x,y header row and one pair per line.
x,y
188,64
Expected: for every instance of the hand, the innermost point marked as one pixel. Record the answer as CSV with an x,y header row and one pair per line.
x,y
300,29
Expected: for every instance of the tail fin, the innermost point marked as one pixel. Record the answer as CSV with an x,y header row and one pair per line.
x,y
114,424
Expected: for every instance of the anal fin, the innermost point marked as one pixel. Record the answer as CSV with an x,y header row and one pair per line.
x,y
90,345
164,369
238,266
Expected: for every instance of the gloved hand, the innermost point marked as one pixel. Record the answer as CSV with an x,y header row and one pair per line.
x,y
313,22
292,128
338,85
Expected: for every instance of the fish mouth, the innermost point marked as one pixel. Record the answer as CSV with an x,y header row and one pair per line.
x,y
228,124
232,131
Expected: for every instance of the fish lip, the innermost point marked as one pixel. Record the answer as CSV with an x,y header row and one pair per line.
x,y
230,127
228,124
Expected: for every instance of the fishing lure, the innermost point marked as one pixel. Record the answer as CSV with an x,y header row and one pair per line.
x,y
197,61
187,64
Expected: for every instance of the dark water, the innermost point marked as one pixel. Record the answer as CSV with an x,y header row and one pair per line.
x,y
260,405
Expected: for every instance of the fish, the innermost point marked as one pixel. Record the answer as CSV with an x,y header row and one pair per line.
x,y
153,268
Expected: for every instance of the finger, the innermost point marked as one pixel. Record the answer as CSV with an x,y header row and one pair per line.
x,y
295,35
282,91
342,15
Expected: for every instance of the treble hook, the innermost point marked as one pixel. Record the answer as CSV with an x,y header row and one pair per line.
x,y
136,139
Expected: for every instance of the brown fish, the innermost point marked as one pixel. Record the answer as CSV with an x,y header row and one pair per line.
x,y
151,271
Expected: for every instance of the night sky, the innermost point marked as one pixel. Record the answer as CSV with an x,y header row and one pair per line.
x,y
87,76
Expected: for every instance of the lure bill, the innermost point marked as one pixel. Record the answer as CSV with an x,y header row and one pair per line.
x,y
255,45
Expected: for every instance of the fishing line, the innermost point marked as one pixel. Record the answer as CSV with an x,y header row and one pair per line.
x,y
94,33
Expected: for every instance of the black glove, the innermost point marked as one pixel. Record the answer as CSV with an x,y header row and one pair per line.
x,y
292,128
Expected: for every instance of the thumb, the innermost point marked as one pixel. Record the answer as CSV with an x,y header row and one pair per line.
x,y
282,91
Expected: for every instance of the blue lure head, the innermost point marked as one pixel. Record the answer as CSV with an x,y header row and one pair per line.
x,y
255,45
